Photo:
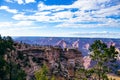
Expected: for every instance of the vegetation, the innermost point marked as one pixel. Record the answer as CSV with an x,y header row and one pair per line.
x,y
53,78
105,58
17,73
8,68
42,73
5,46
105,62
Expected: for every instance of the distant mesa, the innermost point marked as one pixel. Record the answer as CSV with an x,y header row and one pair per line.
x,y
75,44
86,46
62,43
65,44
82,44
111,43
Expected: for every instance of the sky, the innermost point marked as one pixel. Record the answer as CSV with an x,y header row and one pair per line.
x,y
60,18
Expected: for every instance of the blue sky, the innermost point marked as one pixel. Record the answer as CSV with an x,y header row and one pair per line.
x,y
60,18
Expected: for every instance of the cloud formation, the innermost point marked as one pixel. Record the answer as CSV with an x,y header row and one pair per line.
x,y
19,28
21,1
81,14
21,25
6,8
103,34
94,13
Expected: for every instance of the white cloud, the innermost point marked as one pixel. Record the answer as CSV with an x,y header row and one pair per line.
x,y
15,24
24,23
89,23
4,24
80,4
43,7
103,34
102,1
42,13
89,14
6,8
74,25
19,17
19,28
31,17
65,14
114,10
9,1
29,1
85,4
21,1
95,18
44,17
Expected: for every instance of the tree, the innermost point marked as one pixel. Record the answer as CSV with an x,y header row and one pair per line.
x,y
42,73
8,68
17,73
105,58
6,45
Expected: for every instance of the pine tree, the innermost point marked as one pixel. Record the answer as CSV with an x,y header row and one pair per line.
x,y
8,68
6,45
104,57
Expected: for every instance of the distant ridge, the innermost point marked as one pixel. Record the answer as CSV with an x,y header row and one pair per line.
x,y
81,43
